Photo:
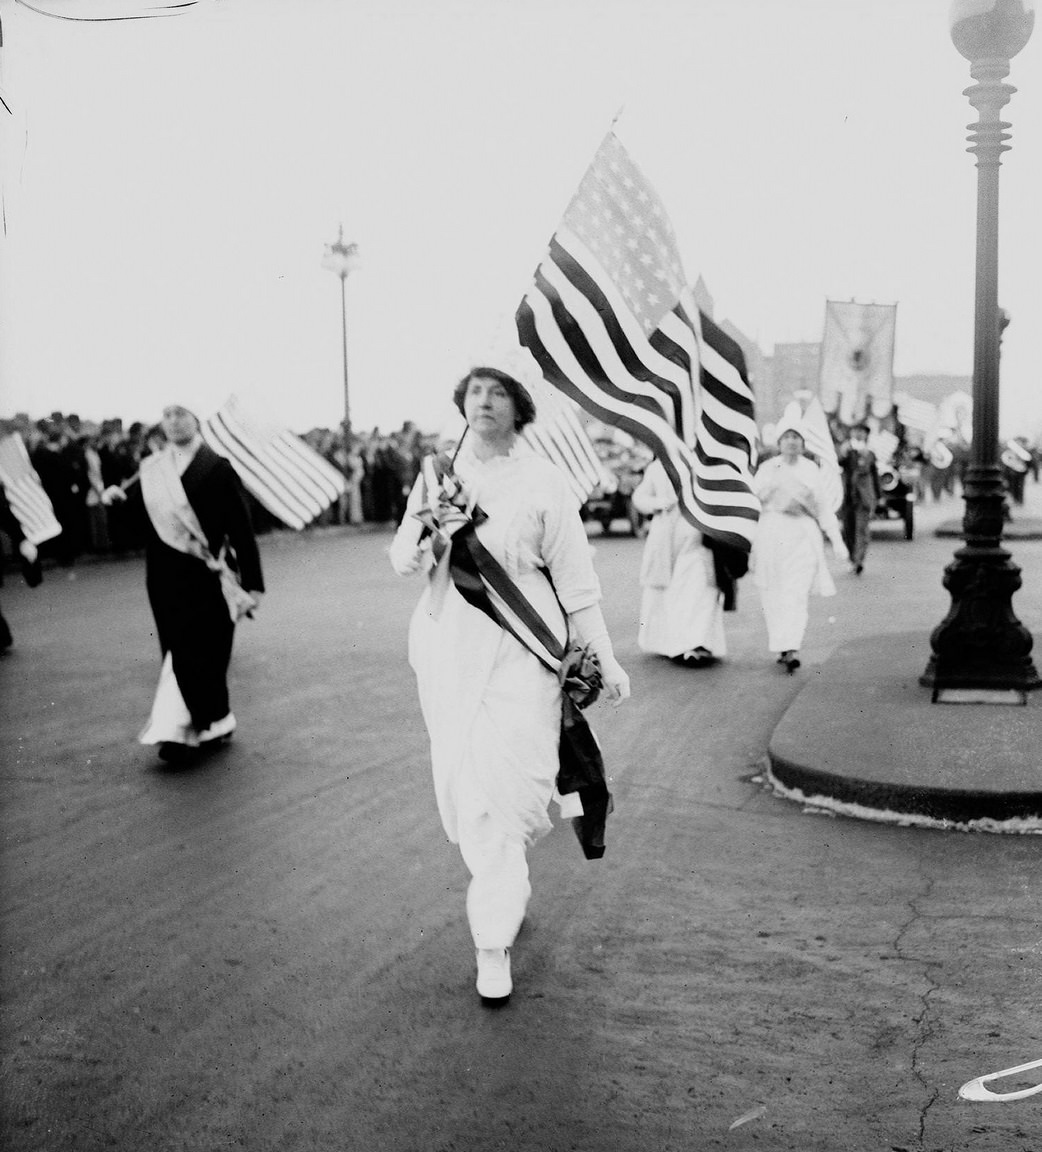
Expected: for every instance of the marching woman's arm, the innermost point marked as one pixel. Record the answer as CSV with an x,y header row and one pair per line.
x,y
591,630
826,518
407,552
566,553
654,493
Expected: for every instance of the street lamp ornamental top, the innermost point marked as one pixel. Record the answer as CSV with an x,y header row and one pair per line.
x,y
340,258
991,29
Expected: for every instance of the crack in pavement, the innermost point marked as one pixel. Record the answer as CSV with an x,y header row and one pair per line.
x,y
924,1029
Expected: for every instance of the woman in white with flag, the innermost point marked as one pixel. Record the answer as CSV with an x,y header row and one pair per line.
x,y
492,709
788,557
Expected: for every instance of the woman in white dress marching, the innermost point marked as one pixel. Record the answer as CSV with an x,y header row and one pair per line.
x,y
492,710
788,560
681,607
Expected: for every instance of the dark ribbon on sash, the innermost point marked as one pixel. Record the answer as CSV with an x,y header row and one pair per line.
x,y
580,764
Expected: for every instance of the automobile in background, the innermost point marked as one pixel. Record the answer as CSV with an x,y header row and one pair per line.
x,y
610,503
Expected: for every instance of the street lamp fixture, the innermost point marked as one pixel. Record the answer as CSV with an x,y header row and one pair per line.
x,y
981,651
341,259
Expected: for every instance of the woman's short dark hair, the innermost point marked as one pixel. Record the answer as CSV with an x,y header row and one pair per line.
x,y
524,405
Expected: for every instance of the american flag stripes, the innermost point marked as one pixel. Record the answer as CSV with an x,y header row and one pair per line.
x,y
288,477
611,322
559,435
29,502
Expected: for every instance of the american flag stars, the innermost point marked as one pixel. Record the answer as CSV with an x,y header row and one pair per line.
x,y
626,227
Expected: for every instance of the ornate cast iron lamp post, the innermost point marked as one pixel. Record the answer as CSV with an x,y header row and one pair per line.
x,y
981,651
341,258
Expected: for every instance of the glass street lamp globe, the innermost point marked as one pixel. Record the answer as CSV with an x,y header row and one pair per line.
x,y
991,29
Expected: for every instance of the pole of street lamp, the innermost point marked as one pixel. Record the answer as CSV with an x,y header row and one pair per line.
x,y
981,651
340,258
347,391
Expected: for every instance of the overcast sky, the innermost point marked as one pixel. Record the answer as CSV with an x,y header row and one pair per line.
x,y
170,184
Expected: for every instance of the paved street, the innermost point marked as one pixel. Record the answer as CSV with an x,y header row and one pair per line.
x,y
268,950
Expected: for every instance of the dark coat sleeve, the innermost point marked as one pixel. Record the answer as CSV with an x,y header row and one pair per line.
x,y
214,491
238,528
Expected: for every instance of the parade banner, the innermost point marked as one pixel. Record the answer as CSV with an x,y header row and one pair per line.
x,y
857,359
611,322
30,504
286,475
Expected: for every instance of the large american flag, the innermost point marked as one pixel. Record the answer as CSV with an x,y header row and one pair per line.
x,y
611,321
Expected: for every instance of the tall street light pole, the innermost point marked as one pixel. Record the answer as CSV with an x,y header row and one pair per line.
x,y
341,258
981,651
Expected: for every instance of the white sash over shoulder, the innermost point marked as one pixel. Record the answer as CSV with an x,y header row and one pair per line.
x,y
177,525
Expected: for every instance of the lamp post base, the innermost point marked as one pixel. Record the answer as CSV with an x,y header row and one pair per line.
x,y
980,647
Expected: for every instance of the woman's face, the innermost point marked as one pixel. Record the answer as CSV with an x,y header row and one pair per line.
x,y
790,444
179,425
489,409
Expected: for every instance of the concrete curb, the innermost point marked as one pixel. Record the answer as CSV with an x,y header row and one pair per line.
x,y
864,739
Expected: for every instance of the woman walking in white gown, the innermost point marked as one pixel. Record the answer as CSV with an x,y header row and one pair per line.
x,y
681,607
492,710
788,560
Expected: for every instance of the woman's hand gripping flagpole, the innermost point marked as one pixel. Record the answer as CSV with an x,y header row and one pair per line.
x,y
593,632
446,510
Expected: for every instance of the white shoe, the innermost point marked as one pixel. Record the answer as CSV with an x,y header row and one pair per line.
x,y
494,974
219,728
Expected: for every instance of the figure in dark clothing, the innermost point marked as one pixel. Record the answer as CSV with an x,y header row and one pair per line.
x,y
60,463
202,573
861,493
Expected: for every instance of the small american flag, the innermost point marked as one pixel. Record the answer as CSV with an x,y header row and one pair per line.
x,y
612,323
287,476
558,435
29,502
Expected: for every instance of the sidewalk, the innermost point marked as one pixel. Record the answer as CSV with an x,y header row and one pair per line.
x,y
864,739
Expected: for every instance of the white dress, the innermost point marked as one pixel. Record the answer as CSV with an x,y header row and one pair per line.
x,y
788,557
681,607
492,711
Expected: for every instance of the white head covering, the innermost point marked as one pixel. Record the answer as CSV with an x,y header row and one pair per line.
x,y
789,424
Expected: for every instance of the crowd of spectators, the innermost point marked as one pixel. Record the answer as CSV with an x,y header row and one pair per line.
x,y
77,460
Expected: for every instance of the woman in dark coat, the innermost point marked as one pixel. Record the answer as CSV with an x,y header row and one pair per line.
x,y
202,573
